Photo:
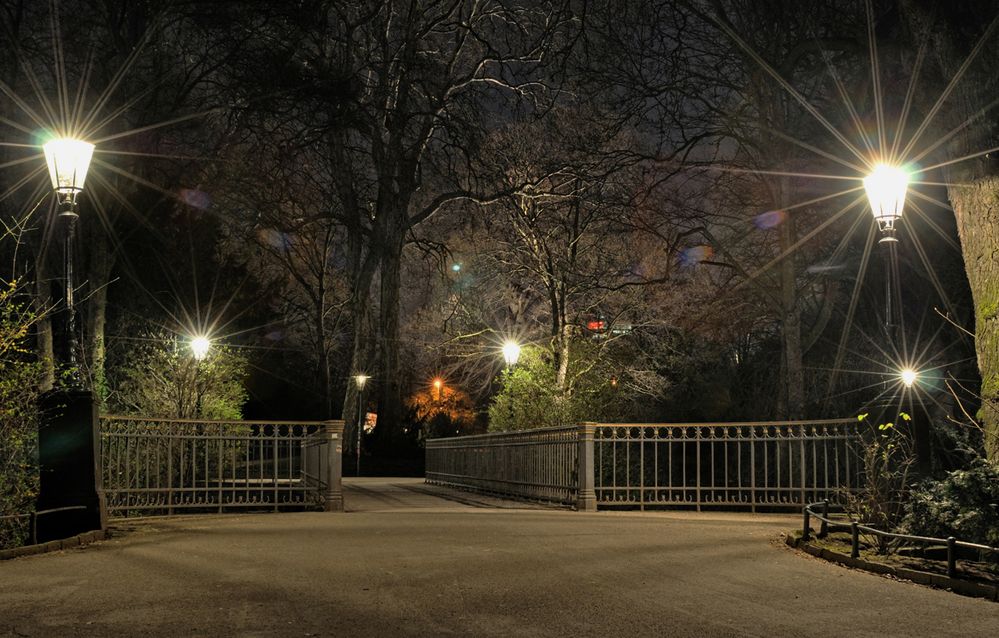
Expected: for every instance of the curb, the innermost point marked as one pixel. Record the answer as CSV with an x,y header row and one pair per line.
x,y
54,546
956,585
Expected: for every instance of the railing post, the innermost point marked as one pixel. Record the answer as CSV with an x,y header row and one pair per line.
x,y
586,496
951,557
824,526
334,451
806,524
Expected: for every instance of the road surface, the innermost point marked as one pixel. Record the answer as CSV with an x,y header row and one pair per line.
x,y
407,562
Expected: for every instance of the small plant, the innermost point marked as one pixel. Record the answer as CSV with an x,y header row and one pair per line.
x,y
880,503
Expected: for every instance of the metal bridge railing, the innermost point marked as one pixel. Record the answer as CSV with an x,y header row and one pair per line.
x,y
780,465
763,464
166,466
538,465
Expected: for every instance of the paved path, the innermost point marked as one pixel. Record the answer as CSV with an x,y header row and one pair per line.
x,y
408,563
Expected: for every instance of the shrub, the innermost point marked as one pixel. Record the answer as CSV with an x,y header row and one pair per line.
x,y
19,377
161,378
964,504
880,502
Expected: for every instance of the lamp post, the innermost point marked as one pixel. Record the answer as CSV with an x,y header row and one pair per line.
x,y
886,188
68,160
200,345
511,354
69,441
360,380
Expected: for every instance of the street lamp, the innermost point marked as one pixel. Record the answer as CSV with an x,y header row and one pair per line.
x,y
908,376
200,346
360,380
68,160
886,187
511,353
438,384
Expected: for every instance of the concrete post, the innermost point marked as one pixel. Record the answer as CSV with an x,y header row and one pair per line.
x,y
334,463
586,499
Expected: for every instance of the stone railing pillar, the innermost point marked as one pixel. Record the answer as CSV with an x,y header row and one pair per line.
x,y
586,500
333,430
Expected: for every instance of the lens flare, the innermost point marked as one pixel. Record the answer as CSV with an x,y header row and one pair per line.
x,y
769,219
908,376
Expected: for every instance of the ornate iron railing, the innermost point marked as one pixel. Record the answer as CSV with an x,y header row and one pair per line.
x,y
765,464
723,465
539,465
165,466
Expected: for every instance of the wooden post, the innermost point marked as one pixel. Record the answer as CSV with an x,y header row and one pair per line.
x,y
586,498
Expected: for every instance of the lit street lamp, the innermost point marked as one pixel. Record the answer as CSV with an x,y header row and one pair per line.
x,y
886,187
68,161
360,380
438,385
908,376
200,346
511,353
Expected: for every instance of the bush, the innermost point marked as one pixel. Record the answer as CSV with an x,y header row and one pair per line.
x,y
880,502
965,504
161,378
19,377
530,396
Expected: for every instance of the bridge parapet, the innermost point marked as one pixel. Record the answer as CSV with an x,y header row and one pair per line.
x,y
167,466
765,464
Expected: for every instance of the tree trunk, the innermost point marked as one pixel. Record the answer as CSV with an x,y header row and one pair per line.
x,y
390,389
976,207
97,303
361,353
794,378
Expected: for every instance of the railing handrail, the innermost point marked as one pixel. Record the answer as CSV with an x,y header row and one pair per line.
x,y
951,543
913,537
729,424
33,516
42,512
123,417
569,428
499,435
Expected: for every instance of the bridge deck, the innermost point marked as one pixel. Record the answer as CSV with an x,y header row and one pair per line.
x,y
414,562
412,494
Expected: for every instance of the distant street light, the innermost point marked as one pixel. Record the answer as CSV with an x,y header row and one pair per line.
x,y
200,346
360,380
68,161
438,384
909,377
511,353
886,187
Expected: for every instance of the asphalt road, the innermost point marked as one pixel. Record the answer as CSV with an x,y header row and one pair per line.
x,y
409,563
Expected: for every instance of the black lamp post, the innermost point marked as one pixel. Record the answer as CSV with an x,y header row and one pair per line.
x,y
886,188
68,439
68,160
511,354
360,380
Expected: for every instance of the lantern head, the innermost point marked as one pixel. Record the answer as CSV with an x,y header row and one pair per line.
x,y
886,187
